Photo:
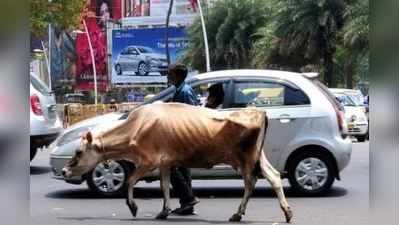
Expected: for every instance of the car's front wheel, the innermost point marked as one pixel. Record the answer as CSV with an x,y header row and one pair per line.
x,y
108,178
143,69
118,69
311,173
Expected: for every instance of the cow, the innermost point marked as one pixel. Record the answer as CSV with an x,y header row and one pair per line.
x,y
167,135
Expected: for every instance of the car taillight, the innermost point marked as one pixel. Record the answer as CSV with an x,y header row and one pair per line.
x,y
35,105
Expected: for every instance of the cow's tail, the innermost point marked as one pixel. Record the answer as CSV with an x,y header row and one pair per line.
x,y
262,165
262,134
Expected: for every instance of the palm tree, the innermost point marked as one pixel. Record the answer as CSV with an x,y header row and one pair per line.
x,y
230,27
310,27
355,35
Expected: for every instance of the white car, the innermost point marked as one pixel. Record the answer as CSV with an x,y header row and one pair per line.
x,y
45,124
306,139
140,60
355,114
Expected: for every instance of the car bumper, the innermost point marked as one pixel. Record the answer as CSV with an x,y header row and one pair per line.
x,y
344,153
357,129
57,163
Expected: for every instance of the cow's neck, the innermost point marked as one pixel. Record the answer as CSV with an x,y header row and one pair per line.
x,y
114,143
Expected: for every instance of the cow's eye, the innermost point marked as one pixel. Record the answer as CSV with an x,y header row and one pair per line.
x,y
78,152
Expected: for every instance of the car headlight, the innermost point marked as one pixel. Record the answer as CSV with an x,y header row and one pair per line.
x,y
73,135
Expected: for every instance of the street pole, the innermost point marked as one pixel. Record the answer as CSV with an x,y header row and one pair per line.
x,y
47,60
49,56
49,53
93,62
208,64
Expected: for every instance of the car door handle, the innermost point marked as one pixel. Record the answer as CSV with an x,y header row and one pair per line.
x,y
285,118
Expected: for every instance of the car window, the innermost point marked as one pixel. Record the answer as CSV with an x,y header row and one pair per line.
x,y
39,86
132,51
265,94
216,88
145,50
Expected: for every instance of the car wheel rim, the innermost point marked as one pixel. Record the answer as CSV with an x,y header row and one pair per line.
x,y
311,174
108,177
143,69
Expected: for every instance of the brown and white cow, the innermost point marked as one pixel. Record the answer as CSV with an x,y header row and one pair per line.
x,y
166,135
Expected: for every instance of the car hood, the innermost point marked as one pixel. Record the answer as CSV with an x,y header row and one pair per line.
x,y
103,119
96,124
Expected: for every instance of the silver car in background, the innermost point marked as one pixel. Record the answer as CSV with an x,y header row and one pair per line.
x,y
140,60
45,124
306,138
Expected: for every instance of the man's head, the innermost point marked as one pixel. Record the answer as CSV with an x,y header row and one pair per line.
x,y
85,158
177,73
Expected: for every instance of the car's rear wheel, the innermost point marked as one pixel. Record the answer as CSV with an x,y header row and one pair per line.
x,y
311,173
361,138
108,178
142,69
33,150
118,69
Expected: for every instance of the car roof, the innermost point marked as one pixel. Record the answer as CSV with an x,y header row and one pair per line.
x,y
278,74
343,90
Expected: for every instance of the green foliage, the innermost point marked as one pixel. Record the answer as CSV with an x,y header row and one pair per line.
x,y
356,30
63,14
230,26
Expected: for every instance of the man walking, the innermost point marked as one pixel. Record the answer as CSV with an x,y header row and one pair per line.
x,y
181,177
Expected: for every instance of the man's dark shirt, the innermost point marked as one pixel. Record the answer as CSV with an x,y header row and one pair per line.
x,y
185,94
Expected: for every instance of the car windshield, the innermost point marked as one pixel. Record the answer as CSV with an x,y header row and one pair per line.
x,y
358,99
38,85
345,100
158,97
145,50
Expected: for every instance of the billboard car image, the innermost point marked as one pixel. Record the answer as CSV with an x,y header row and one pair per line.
x,y
139,55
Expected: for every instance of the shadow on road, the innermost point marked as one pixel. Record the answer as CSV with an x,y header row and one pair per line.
x,y
201,192
172,220
37,170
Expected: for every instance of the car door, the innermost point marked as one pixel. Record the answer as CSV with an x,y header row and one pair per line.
x,y
133,59
123,57
287,107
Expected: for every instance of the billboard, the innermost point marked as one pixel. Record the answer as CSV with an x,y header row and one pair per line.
x,y
139,55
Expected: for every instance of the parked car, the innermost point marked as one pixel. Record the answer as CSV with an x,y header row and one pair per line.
x,y
141,60
44,122
306,139
355,116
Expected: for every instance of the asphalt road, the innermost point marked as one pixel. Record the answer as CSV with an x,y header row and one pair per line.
x,y
54,202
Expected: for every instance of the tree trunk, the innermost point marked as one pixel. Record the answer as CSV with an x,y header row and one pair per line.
x,y
349,69
329,70
167,31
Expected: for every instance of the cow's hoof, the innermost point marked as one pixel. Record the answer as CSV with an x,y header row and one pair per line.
x,y
133,208
163,215
288,215
235,218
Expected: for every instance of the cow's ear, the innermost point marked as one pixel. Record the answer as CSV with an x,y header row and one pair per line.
x,y
89,137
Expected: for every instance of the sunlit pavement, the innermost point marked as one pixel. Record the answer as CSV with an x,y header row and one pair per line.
x,y
56,202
